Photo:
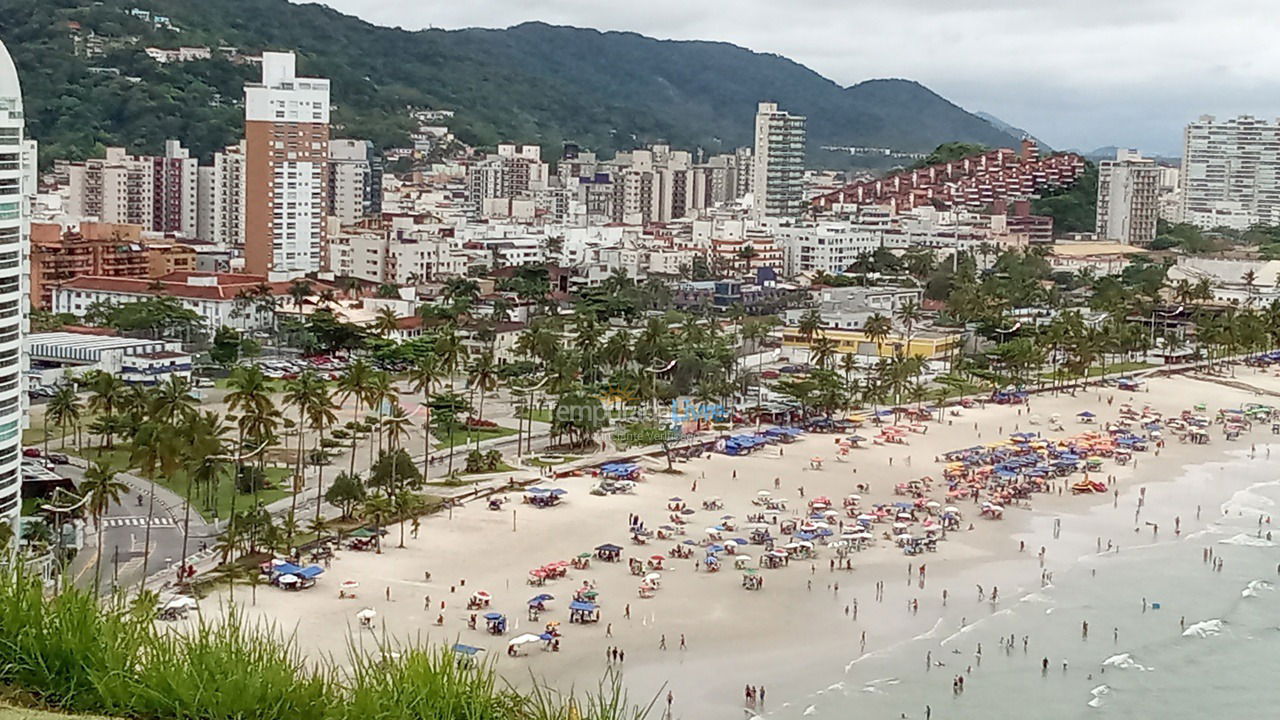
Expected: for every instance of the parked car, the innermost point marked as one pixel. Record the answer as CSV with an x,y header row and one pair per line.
x,y
31,452
202,382
770,374
58,458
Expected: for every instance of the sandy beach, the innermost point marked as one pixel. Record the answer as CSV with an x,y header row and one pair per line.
x,y
809,622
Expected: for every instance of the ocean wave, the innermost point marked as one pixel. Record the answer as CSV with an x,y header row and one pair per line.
x,y
1204,628
876,686
1124,661
1098,693
1036,597
1246,540
1251,590
1248,501
811,710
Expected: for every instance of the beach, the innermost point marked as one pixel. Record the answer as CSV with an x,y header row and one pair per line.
x,y
802,635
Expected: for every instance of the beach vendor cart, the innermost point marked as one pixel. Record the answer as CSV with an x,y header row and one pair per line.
x,y
581,611
479,599
655,562
741,562
608,552
366,616
992,511
495,623
751,580
645,590
517,644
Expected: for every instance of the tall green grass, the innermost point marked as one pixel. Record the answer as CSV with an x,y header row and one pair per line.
x,y
70,653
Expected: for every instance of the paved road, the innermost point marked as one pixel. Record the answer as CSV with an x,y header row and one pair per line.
x,y
124,530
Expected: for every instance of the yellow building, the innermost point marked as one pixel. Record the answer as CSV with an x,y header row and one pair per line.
x,y
929,344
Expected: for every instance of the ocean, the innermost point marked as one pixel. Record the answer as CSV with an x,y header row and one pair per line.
x,y
1168,635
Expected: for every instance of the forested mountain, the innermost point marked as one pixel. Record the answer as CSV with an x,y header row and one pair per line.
x,y
530,83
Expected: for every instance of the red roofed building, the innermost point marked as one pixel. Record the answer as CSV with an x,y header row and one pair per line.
x,y
219,298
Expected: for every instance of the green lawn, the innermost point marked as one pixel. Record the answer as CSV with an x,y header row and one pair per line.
x,y
277,476
461,437
536,462
118,459
1111,369
542,415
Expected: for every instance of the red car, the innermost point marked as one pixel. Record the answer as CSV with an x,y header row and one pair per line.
x,y
31,452
769,374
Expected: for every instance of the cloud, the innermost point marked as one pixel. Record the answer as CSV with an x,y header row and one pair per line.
x,y
1082,73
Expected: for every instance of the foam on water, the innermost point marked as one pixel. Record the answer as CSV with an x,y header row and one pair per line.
x,y
1204,628
1251,590
1246,540
1124,661
1251,502
1098,693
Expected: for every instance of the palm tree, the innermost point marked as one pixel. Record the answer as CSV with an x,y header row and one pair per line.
x,y
877,328
386,323
304,394
810,324
63,408
381,394
450,350
101,489
355,383
423,377
378,509
250,397
823,351
106,393
909,314
483,379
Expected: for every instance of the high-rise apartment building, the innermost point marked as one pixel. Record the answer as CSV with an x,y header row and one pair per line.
x,y
158,192
1231,172
778,163
355,181
1128,198
512,172
17,186
286,130
221,198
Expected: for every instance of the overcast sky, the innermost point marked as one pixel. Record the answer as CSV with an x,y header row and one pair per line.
x,y
1076,73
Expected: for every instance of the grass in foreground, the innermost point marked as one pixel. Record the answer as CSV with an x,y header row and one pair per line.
x,y
461,437
75,655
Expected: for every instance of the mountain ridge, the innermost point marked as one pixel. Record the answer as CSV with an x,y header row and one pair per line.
x,y
532,82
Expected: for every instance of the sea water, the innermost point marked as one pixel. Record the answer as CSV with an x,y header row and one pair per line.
x,y
1168,636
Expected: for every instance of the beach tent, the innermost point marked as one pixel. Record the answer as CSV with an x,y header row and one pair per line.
x,y
468,650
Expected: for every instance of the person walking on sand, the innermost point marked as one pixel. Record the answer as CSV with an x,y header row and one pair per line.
x,y
662,643
760,693
608,630
1084,630
683,646
626,612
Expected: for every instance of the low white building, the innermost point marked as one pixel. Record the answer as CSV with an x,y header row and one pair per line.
x,y
218,298
55,355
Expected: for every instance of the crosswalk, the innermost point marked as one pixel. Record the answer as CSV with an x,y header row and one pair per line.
x,y
134,521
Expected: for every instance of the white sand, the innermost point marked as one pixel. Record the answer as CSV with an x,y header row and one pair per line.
x,y
777,637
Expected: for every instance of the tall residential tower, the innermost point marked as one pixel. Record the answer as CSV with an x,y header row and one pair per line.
x,y
777,177
17,185
286,130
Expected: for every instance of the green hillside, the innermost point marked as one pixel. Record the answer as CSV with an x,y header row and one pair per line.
x,y
530,83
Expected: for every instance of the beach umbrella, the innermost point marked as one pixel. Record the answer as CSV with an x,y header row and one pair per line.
x,y
726,517
763,493
865,516
524,639
349,585
289,580
652,576
933,504
656,557
675,499
483,595
493,616
367,614
687,511
951,509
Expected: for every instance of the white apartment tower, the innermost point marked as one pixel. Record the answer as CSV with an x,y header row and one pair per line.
x,y
17,186
1128,198
158,192
222,201
355,181
778,163
286,129
1231,172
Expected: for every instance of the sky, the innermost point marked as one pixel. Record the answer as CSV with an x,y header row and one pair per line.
x,y
1076,73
